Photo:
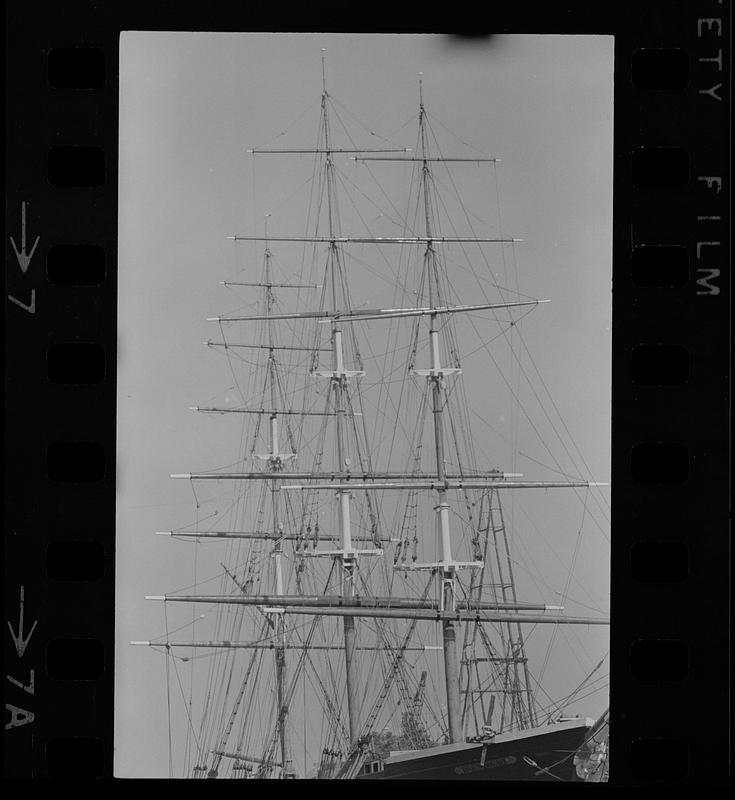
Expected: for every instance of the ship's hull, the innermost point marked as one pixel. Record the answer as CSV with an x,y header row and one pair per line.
x,y
541,754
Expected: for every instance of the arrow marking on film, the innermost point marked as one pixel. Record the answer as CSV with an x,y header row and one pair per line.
x,y
20,642
24,259
31,309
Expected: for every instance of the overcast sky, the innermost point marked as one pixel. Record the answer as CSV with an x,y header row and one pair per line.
x,y
190,107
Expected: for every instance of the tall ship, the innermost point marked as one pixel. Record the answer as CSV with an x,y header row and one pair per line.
x,y
356,610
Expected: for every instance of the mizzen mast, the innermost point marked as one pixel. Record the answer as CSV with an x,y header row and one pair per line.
x,y
275,464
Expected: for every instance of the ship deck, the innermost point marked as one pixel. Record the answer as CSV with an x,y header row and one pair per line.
x,y
545,753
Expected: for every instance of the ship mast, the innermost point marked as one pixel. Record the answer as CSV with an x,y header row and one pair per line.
x,y
436,379
339,380
447,609
275,464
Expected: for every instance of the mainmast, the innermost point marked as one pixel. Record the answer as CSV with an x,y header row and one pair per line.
x,y
436,379
339,380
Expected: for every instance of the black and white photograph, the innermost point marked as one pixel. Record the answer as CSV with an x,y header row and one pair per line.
x,y
364,407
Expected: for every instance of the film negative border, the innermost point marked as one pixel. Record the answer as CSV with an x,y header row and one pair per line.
x,y
669,723
670,401
60,418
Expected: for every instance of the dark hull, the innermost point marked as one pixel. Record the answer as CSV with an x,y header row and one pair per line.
x,y
552,749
